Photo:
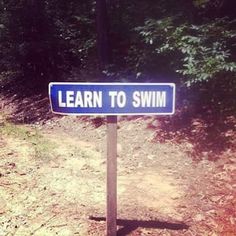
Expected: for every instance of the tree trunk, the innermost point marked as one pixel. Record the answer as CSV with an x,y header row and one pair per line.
x,y
103,44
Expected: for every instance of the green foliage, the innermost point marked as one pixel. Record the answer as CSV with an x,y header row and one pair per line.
x,y
56,40
201,3
74,30
199,52
46,40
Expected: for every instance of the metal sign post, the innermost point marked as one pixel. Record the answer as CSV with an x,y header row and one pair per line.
x,y
111,214
112,99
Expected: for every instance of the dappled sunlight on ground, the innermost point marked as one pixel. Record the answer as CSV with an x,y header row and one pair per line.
x,y
53,180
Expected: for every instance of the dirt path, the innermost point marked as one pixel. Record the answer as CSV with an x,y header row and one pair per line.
x,y
52,182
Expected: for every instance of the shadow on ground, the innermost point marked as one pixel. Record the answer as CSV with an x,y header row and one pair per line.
x,y
131,225
205,118
25,104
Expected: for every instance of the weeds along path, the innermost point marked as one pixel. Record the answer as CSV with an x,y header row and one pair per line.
x,y
46,190
52,182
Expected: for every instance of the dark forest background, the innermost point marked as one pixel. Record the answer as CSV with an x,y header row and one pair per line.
x,y
189,42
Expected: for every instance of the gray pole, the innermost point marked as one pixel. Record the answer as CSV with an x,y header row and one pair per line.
x,y
104,53
111,215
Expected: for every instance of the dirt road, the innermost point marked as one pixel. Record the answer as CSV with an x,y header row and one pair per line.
x,y
52,182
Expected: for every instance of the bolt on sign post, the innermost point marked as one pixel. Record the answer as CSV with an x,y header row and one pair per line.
x,y
112,99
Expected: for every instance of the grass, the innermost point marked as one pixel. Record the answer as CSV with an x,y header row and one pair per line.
x,y
41,147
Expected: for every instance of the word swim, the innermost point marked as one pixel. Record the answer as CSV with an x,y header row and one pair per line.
x,y
95,99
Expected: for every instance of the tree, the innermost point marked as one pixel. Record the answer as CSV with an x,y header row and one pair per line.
x,y
103,42
187,41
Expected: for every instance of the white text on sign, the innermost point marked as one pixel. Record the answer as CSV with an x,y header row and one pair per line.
x,y
94,99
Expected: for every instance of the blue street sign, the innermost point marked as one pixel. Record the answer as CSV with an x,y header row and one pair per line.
x,y
112,98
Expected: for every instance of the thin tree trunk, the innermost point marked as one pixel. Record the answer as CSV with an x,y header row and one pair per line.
x,y
103,44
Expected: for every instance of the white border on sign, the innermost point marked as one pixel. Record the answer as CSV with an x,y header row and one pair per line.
x,y
110,114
